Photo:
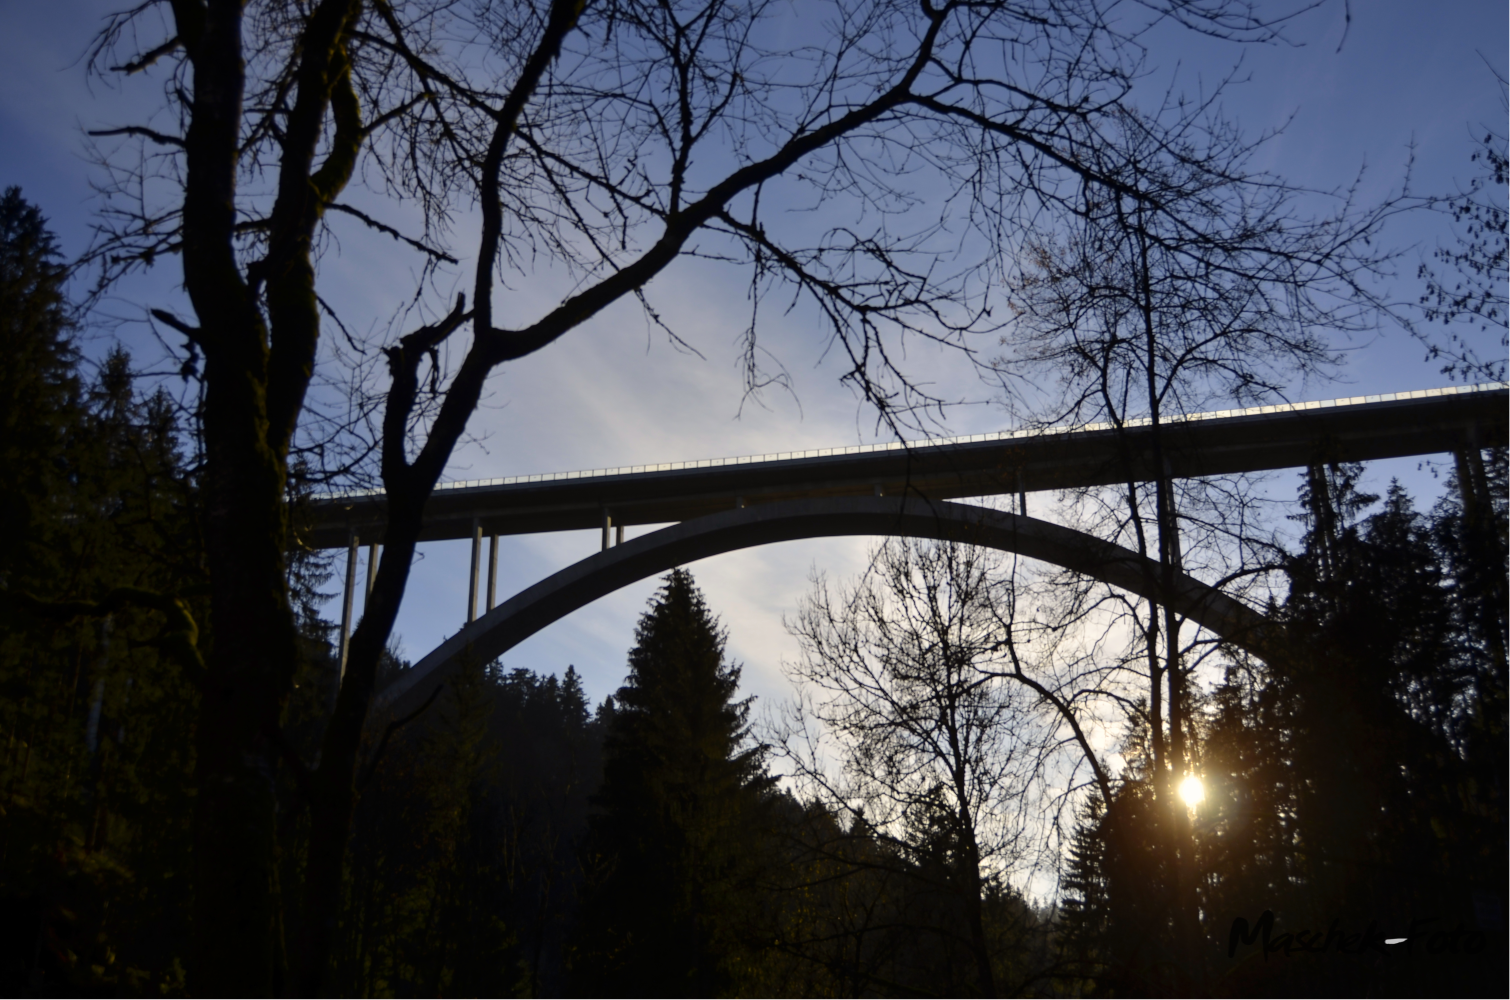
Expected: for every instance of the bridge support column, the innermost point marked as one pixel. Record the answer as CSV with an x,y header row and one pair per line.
x,y
607,523
351,586
1473,483
372,564
1323,515
476,566
1176,555
492,571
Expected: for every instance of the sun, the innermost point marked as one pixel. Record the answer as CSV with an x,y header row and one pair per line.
x,y
1191,790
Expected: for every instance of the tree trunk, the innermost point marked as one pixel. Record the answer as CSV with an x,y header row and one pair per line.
x,y
237,947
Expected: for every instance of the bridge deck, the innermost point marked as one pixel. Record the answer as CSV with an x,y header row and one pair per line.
x,y
1252,440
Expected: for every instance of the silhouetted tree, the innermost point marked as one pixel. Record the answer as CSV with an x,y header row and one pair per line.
x,y
1466,281
905,719
40,400
678,836
98,579
274,109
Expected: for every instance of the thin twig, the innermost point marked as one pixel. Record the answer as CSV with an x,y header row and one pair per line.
x,y
384,228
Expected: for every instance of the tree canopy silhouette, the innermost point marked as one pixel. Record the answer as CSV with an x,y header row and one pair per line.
x,y
611,138
676,838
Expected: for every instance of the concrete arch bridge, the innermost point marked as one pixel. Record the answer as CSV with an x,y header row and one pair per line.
x,y
902,489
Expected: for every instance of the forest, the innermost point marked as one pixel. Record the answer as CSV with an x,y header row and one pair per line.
x,y
332,231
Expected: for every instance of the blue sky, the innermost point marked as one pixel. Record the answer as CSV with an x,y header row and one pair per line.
x,y
617,393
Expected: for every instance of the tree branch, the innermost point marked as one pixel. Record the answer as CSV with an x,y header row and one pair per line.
x,y
390,231
403,366
157,137
147,59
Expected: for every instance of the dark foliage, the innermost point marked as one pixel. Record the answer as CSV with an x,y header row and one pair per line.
x,y
464,862
1356,783
40,400
675,845
96,708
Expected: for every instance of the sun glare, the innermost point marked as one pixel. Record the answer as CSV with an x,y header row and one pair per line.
x,y
1191,790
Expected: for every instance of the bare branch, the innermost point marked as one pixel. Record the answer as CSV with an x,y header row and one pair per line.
x,y
147,133
389,230
147,58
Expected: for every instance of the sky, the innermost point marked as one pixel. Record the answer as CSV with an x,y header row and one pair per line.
x,y
1352,100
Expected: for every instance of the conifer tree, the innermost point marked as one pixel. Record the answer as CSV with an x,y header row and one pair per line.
x,y
1374,618
1345,781
674,840
96,713
39,390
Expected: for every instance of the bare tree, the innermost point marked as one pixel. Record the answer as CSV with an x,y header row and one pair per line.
x,y
904,721
1222,295
613,136
1472,289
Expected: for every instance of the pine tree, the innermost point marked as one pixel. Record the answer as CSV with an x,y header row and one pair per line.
x,y
1347,780
1119,934
682,791
39,389
95,719
1371,626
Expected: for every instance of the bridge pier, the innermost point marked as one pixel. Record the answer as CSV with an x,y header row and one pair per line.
x,y
348,597
1176,556
1478,508
372,565
351,586
476,570
618,530
492,571
474,584
1323,515
1473,482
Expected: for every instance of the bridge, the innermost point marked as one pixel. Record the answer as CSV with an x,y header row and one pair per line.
x,y
902,488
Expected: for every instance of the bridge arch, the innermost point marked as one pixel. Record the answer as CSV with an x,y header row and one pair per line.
x,y
532,609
